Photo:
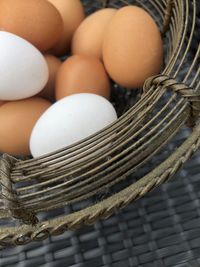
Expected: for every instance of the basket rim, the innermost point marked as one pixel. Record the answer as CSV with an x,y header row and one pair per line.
x,y
109,206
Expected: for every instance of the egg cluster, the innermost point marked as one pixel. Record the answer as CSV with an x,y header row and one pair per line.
x,y
47,103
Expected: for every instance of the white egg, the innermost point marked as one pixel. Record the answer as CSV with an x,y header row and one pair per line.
x,y
70,120
23,69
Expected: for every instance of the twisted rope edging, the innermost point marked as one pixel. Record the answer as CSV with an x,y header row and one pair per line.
x,y
109,206
168,15
193,97
8,195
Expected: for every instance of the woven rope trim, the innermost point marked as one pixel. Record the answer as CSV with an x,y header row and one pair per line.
x,y
191,96
107,207
168,16
8,195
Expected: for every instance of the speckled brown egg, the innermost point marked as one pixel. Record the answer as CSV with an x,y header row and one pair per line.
x,y
72,13
82,74
37,21
17,121
88,38
53,65
132,48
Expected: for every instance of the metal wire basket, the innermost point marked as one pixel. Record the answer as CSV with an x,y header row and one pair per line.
x,y
103,173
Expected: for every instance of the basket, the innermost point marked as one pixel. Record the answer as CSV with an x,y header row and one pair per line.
x,y
102,174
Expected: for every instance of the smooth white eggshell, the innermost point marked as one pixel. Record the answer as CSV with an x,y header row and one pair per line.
x,y
23,69
70,120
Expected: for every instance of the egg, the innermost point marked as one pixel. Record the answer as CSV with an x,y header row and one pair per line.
x,y
88,38
23,69
17,121
37,21
72,13
82,74
53,65
70,120
132,47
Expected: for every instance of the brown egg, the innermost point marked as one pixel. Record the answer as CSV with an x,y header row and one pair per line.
x,y
132,48
17,121
82,74
88,38
49,91
37,21
72,13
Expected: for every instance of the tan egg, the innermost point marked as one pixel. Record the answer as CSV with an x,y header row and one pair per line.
x,y
17,121
132,48
82,74
72,13
53,65
88,38
37,21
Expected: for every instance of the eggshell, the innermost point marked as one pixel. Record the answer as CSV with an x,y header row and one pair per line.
x,y
70,120
132,47
17,121
72,13
53,65
23,69
82,74
37,21
88,38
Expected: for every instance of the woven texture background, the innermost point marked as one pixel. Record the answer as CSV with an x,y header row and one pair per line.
x,y
160,230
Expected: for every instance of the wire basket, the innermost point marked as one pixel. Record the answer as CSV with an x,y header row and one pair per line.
x,y
94,178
